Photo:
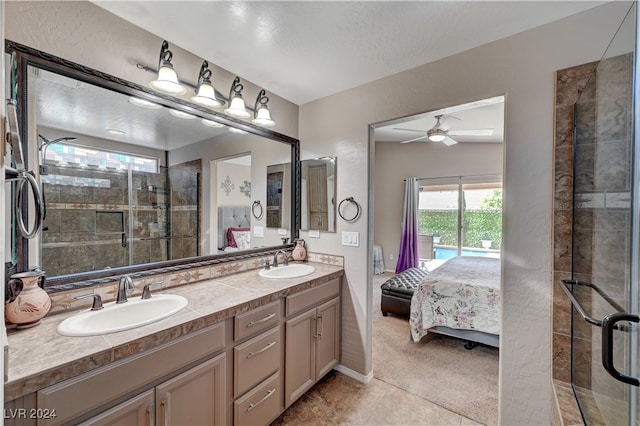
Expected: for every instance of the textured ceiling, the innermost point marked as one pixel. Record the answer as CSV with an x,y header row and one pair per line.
x,y
306,50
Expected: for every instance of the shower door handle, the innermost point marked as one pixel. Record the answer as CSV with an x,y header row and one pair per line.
x,y
608,325
124,240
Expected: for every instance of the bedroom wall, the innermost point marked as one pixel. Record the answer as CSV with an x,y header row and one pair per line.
x,y
237,175
522,67
421,160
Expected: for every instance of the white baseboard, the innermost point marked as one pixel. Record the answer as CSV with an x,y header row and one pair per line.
x,y
354,374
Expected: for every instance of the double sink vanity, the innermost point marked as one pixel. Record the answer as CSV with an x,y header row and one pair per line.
x,y
239,349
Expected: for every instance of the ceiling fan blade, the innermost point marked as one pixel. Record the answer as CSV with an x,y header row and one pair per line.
x,y
408,130
414,139
448,141
471,132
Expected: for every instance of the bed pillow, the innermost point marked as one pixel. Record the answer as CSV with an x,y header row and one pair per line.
x,y
231,241
242,239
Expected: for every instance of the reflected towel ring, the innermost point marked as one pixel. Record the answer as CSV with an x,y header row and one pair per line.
x,y
358,210
253,209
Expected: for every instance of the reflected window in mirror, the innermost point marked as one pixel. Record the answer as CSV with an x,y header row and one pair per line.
x,y
318,209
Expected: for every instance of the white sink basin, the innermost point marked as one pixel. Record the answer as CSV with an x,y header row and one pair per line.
x,y
124,316
293,270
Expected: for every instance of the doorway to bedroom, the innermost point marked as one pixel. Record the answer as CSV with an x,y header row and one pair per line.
x,y
459,177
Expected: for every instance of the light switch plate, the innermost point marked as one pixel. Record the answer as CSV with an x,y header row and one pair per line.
x,y
314,233
282,231
351,239
258,231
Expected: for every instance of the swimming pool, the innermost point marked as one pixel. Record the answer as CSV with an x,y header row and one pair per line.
x,y
448,253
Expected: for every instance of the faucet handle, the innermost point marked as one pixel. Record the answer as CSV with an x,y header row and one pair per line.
x,y
267,266
97,301
146,291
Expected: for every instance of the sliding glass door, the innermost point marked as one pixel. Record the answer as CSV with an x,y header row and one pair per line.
x,y
459,216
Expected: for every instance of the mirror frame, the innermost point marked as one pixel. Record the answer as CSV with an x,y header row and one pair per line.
x,y
25,56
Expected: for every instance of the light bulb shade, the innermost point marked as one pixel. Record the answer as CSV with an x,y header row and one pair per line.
x,y
211,123
206,96
167,81
263,117
237,107
238,131
437,135
181,114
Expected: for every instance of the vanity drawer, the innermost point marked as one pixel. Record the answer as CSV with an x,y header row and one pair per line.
x,y
249,323
260,406
255,360
311,297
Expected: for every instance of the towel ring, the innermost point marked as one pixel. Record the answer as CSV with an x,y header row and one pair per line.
x,y
253,209
358,209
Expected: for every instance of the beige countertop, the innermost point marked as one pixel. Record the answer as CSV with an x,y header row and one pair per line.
x,y
40,356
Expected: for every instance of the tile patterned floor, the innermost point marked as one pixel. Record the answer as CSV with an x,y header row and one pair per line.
x,y
340,400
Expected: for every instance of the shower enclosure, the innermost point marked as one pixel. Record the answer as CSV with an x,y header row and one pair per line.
x,y
606,238
106,218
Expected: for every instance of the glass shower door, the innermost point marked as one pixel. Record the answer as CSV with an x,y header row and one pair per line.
x,y
604,284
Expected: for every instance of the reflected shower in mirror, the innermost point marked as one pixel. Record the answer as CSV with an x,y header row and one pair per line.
x,y
130,177
318,184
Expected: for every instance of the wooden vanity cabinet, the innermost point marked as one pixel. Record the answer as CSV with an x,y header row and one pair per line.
x,y
195,363
312,344
137,411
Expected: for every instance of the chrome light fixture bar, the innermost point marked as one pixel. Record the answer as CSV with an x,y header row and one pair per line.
x,y
206,94
237,106
261,114
167,81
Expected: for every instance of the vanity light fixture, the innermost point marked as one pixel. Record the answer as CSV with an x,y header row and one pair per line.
x,y
206,94
261,115
211,123
236,103
143,103
167,81
181,114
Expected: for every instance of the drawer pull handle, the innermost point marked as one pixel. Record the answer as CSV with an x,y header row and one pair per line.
x,y
264,398
270,345
267,318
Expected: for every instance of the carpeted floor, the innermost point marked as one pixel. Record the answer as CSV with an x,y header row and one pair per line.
x,y
440,370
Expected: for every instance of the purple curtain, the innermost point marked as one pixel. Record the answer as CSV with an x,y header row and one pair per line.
x,y
408,256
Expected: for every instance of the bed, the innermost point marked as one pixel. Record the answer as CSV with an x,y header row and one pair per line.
x,y
234,228
461,298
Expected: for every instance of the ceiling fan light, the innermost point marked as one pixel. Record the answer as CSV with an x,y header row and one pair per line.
x,y
437,135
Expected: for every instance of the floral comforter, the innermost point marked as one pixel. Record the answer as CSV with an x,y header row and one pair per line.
x,y
463,293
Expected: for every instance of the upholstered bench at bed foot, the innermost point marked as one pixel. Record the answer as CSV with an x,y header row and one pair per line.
x,y
398,290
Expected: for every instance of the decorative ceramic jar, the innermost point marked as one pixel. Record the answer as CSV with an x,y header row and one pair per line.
x,y
28,302
299,252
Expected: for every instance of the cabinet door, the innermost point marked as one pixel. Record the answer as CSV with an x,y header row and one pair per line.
x,y
195,397
138,411
299,355
328,337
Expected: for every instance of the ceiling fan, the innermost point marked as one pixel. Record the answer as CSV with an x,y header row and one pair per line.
x,y
439,134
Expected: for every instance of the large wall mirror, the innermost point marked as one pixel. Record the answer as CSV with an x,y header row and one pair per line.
x,y
135,180
318,204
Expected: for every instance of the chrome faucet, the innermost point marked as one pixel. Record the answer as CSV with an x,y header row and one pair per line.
x,y
125,284
275,258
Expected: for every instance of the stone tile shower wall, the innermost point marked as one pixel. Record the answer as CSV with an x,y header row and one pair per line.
x,y
600,233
